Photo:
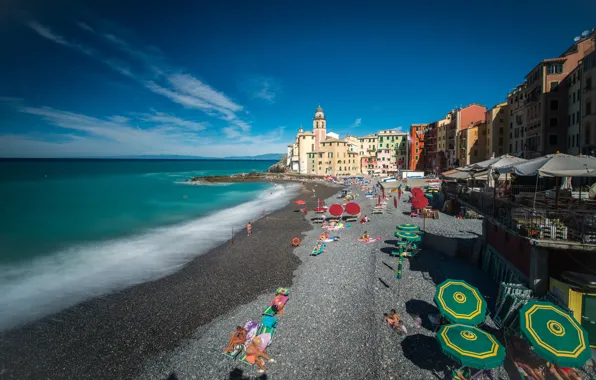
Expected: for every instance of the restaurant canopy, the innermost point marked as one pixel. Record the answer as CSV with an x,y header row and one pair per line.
x,y
465,174
554,165
497,162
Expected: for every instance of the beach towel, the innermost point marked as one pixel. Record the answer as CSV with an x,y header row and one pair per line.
x,y
266,339
370,240
252,328
316,252
331,239
282,291
270,311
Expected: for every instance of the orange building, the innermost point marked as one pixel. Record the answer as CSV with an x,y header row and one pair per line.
x,y
416,154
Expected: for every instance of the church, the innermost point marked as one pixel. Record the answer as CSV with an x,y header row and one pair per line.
x,y
322,153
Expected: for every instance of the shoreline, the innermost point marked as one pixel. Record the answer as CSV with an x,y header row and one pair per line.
x,y
255,177
111,336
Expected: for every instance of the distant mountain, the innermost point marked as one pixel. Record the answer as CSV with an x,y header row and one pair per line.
x,y
268,156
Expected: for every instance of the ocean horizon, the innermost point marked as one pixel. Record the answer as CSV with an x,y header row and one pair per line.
x,y
73,229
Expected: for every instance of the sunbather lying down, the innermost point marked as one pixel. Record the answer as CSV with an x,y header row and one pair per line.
x,y
278,303
238,338
255,353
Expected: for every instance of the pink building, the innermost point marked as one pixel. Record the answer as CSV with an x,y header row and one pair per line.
x,y
384,164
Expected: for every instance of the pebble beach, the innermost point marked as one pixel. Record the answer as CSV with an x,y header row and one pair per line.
x,y
333,326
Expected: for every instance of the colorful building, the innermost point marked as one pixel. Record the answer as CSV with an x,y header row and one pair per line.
x,y
588,112
497,130
416,147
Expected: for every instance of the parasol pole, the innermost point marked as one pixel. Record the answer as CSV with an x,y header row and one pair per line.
x,y
535,190
557,192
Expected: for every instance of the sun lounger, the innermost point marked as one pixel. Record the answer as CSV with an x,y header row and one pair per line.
x,y
243,356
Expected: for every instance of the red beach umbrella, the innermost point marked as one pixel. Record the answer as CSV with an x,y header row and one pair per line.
x,y
378,200
320,203
336,210
300,202
320,209
353,208
383,192
394,201
419,202
417,191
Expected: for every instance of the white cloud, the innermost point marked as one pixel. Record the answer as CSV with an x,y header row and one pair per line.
x,y
261,87
172,83
356,123
47,33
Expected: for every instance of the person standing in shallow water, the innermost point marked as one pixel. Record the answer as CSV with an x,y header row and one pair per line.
x,y
248,229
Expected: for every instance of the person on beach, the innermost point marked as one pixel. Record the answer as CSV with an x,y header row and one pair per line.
x,y
366,236
392,318
278,303
249,229
255,354
238,338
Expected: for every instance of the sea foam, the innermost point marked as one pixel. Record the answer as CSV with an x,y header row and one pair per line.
x,y
47,285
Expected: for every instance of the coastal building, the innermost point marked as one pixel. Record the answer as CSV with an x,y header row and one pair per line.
x,y
393,143
368,153
466,117
572,86
497,130
430,147
441,162
517,120
416,147
450,135
307,142
472,144
545,102
333,158
588,109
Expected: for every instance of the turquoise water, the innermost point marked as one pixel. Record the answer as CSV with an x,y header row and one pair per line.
x,y
73,229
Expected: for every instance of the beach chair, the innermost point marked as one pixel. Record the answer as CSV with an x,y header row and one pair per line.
x,y
268,325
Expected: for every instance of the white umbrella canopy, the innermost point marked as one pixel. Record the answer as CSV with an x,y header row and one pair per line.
x,y
497,162
554,165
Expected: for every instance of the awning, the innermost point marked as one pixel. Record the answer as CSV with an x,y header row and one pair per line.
x,y
554,165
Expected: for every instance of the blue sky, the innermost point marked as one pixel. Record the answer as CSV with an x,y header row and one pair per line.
x,y
221,78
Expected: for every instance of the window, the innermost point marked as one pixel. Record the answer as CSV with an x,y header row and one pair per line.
x,y
556,68
588,108
554,122
475,153
416,150
553,139
588,84
572,119
554,105
416,158
554,86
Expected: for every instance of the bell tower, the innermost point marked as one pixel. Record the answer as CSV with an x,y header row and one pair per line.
x,y
319,126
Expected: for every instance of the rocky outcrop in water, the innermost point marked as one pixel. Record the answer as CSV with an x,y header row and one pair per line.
x,y
280,166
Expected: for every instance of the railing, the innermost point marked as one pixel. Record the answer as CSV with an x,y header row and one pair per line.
x,y
541,223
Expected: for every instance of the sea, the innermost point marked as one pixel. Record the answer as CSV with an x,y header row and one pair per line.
x,y
71,230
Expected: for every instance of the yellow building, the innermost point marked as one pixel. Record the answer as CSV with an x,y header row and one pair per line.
x,y
472,144
497,130
335,158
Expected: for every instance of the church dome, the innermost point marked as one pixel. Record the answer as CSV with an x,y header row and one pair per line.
x,y
319,109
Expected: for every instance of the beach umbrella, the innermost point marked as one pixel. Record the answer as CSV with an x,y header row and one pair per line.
x,y
408,227
416,191
336,209
383,192
352,208
378,200
320,203
555,335
419,202
320,209
470,347
460,302
409,236
300,202
394,202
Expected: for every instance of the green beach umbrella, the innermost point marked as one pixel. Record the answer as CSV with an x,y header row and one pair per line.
x,y
460,302
408,227
470,346
555,335
409,236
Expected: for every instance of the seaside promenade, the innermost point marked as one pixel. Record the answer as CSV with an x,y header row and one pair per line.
x,y
333,326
